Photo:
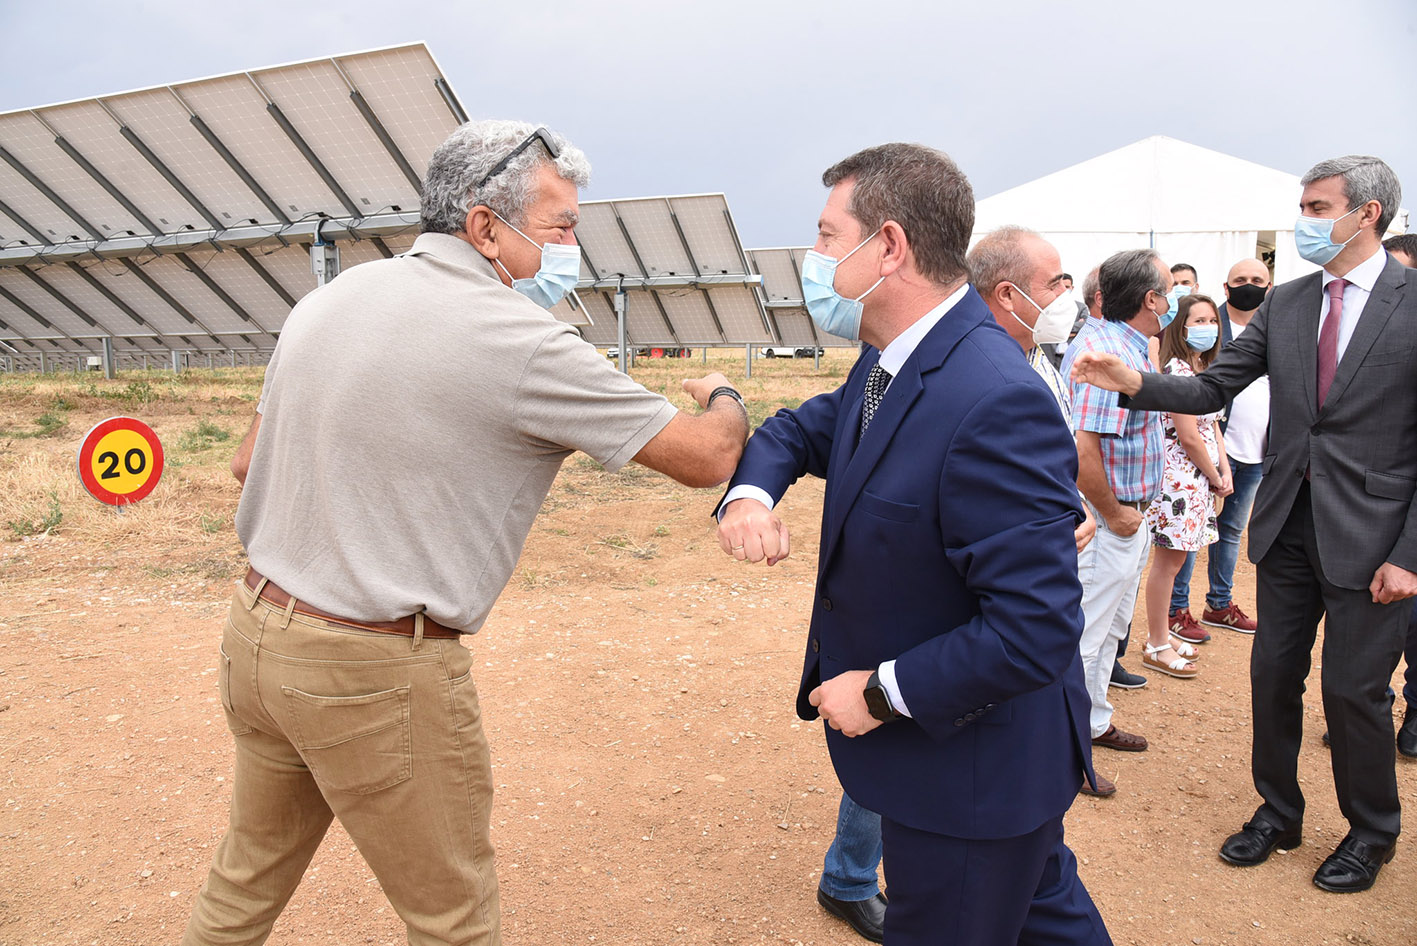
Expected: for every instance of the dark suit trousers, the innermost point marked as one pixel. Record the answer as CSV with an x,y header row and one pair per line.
x,y
1362,643
948,891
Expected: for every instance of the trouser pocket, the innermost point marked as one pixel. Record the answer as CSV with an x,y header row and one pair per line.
x,y
357,744
233,722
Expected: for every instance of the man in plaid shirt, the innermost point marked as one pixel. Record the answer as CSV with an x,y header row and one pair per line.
x,y
1119,472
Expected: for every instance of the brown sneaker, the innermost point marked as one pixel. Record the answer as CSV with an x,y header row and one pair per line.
x,y
1106,788
1185,627
1229,616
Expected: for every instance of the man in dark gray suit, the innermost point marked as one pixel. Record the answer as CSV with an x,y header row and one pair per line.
x,y
1334,531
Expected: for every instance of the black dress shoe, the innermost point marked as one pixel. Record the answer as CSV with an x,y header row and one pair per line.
x,y
1353,867
866,917
1256,841
1407,735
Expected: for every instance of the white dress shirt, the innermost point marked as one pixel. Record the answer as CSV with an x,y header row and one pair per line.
x,y
893,358
1361,279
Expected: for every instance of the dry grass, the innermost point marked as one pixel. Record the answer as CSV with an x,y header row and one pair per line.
x,y
200,416
186,518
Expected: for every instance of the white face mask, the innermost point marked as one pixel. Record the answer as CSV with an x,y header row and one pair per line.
x,y
1055,321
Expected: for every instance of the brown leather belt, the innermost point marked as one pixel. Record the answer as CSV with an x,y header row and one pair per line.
x,y
404,626
1140,505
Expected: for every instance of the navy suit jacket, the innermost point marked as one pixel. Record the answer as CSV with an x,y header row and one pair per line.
x,y
947,545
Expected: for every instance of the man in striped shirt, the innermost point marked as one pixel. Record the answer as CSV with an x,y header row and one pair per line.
x,y
1119,471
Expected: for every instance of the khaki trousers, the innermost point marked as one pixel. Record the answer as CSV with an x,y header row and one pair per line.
x,y
381,731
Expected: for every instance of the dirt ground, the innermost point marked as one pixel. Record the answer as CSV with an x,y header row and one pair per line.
x,y
653,783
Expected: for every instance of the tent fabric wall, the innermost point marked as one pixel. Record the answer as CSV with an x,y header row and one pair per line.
x,y
1212,254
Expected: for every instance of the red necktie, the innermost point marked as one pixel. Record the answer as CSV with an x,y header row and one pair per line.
x,y
1328,338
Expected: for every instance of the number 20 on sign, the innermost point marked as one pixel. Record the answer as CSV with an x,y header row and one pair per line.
x,y
120,461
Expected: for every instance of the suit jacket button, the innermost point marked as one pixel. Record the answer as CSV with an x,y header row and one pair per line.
x,y
827,604
816,645
959,722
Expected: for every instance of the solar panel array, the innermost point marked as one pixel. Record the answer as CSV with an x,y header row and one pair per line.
x,y
682,266
180,218
781,269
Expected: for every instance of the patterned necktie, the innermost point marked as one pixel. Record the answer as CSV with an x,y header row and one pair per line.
x,y
876,383
1328,338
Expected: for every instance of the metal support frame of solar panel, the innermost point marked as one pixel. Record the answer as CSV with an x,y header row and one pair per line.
x,y
681,264
172,217
781,269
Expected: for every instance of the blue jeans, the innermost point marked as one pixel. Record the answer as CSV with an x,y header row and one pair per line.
x,y
849,870
1225,551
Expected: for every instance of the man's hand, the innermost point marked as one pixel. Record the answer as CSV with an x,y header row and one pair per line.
x,y
1105,371
842,703
1392,583
751,532
1083,534
700,388
1126,522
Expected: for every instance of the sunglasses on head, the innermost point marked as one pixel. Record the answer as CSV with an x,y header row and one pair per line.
x,y
541,135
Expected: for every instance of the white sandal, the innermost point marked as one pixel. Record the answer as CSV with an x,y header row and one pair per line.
x,y
1176,668
1184,648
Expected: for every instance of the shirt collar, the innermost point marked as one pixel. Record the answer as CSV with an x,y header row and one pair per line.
x,y
1365,274
451,249
894,355
1131,336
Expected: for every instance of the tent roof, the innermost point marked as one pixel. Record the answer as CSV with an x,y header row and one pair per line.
x,y
1156,184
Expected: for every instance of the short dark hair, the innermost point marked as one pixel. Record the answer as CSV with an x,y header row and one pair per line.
x,y
1067,276
1406,243
919,188
1186,266
1173,337
1125,278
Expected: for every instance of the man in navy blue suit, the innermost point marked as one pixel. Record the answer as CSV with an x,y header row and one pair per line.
x,y
943,650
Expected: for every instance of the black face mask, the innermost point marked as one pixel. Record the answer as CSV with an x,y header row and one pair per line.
x,y
1247,297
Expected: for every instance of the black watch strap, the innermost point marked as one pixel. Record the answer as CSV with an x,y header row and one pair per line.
x,y
878,702
725,391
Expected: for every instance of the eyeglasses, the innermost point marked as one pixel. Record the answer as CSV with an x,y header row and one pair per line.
x,y
542,135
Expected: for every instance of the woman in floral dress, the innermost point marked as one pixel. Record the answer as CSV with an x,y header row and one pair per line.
x,y
1182,517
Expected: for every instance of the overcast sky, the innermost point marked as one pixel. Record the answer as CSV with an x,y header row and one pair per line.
x,y
755,99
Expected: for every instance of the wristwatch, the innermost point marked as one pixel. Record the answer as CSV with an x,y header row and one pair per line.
x,y
878,701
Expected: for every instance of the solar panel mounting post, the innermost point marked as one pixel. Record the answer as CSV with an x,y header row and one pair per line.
x,y
621,305
108,370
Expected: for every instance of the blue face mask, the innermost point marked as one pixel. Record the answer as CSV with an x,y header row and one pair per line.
x,y
1313,237
1202,337
1173,299
827,307
560,271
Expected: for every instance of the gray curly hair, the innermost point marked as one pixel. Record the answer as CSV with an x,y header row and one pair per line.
x,y
473,149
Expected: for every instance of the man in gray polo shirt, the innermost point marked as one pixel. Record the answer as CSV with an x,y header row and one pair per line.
x,y
414,415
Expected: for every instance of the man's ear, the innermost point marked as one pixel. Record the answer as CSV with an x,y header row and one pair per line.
x,y
1004,295
477,230
1376,207
897,247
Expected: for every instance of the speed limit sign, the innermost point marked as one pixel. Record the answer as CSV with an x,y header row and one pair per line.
x,y
120,461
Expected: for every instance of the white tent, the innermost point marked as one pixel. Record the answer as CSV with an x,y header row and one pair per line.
x,y
1192,204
